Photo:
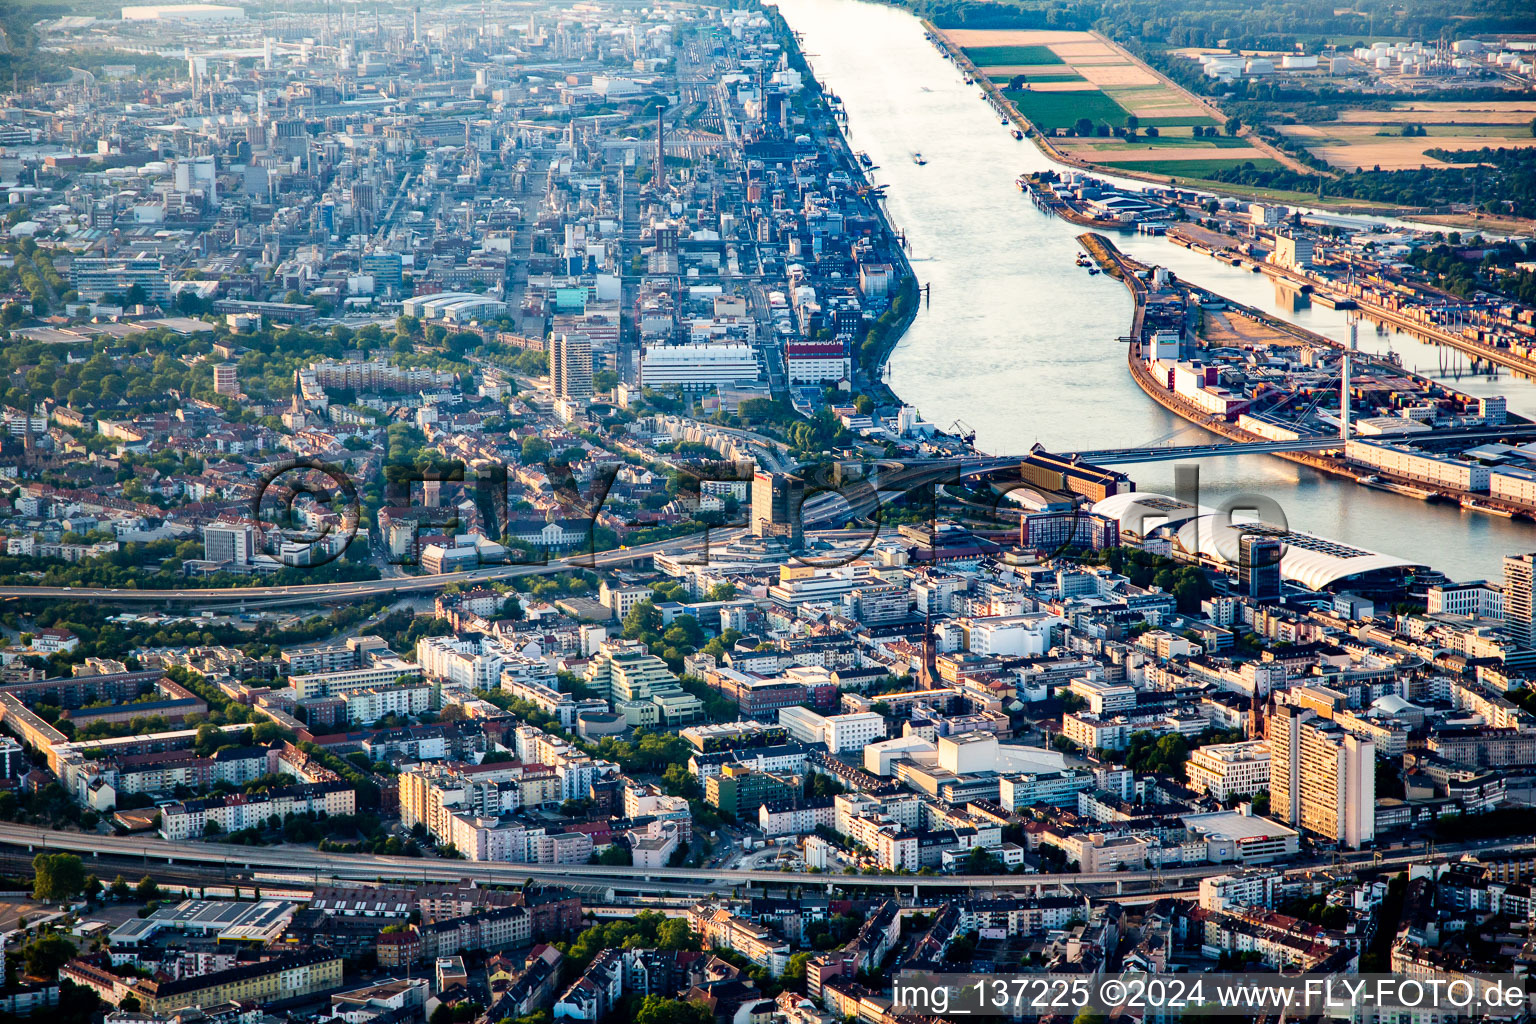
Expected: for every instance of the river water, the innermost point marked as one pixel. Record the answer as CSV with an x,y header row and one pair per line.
x,y
1020,343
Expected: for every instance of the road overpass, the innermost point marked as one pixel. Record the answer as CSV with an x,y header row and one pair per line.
x,y
297,862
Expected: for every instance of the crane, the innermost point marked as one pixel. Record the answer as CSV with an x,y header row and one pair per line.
x,y
964,431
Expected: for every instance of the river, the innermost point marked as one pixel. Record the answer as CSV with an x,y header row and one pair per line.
x,y
1020,343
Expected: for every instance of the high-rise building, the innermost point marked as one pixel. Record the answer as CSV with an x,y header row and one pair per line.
x,y
776,500
570,366
226,380
1321,777
1519,574
1258,567
229,542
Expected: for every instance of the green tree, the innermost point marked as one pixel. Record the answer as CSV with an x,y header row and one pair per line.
x,y
57,876
147,890
1083,127
45,954
643,621
656,1009
535,449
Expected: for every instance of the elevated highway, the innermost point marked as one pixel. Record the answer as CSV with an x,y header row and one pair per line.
x,y
224,861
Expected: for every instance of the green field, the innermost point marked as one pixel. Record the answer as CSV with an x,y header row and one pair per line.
x,y
1179,122
1051,110
994,56
1188,141
1065,74
1188,168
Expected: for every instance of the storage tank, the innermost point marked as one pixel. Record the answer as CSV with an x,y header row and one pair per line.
x,y
1383,63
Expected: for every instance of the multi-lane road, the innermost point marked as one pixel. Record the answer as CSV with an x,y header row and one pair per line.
x,y
223,861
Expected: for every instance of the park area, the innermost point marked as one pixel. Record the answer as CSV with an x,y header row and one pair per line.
x,y
1100,105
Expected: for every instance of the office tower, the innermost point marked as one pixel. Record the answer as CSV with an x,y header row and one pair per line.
x,y
226,380
1321,778
776,500
1258,568
570,366
1519,571
234,543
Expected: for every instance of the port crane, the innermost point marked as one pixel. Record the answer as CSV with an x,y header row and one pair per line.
x,y
964,431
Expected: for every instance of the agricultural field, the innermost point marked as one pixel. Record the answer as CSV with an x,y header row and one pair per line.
x,y
1067,76
994,56
1368,139
1189,164
1049,109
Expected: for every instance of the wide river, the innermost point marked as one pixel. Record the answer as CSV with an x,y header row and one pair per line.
x,y
1020,343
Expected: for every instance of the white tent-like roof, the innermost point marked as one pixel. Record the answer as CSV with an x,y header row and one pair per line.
x,y
1306,559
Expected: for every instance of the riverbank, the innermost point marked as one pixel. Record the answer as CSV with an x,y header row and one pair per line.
x,y
1356,297
1018,342
1331,462
870,379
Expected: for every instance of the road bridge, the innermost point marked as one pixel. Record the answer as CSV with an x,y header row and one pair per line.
x,y
292,861
1125,456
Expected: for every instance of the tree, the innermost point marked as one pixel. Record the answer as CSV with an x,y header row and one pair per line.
x,y
1132,122
120,889
1234,125
794,974
643,620
45,954
147,889
1151,131
656,1009
1083,126
57,876
721,592
535,449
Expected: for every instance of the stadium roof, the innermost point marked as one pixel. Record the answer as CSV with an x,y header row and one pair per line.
x,y
1306,559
